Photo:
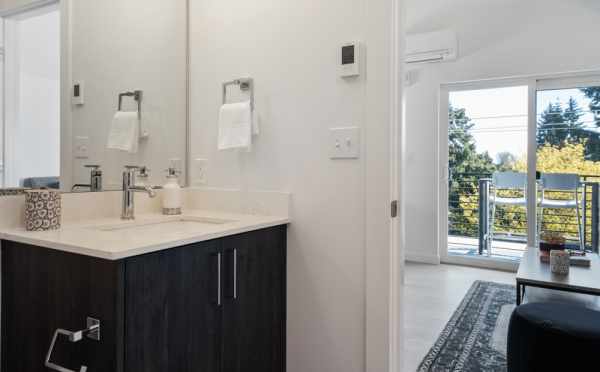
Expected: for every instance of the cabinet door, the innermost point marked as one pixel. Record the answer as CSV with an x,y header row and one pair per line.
x,y
172,317
45,289
254,301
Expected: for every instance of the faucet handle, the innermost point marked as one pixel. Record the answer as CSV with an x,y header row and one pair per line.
x,y
144,171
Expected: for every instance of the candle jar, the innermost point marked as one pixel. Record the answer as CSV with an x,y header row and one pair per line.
x,y
559,262
42,210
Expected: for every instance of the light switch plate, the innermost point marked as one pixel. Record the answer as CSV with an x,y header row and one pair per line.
x,y
344,143
81,147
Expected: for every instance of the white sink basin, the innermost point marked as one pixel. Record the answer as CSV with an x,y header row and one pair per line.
x,y
167,224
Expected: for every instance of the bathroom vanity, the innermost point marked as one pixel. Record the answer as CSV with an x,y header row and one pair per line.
x,y
193,293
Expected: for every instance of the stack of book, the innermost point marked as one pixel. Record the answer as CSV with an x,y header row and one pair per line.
x,y
576,258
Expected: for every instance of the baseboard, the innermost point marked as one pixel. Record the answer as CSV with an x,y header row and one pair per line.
x,y
422,258
483,262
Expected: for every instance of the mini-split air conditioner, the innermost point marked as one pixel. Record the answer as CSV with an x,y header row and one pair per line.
x,y
431,47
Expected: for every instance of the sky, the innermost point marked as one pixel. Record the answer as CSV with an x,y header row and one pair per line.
x,y
500,115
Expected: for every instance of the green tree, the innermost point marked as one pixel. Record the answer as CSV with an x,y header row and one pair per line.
x,y
592,146
567,159
571,116
506,161
466,167
551,126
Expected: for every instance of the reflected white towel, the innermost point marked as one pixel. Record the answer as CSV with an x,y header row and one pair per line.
x,y
235,126
124,132
255,127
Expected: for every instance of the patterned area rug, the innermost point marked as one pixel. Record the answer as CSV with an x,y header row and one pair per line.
x,y
475,337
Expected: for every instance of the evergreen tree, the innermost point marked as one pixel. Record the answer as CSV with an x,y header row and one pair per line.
x,y
571,116
466,167
551,128
592,146
462,153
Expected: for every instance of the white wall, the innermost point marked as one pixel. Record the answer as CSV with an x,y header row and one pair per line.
x,y
37,135
496,39
33,95
121,46
2,64
290,48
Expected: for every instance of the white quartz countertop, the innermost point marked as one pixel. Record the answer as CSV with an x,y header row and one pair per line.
x,y
114,239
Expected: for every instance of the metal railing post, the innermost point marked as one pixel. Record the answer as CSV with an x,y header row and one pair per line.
x,y
484,215
584,211
595,194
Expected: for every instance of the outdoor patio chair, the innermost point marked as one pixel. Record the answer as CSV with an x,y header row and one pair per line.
x,y
501,181
561,182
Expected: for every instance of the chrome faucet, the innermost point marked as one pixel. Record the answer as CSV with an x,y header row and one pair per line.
x,y
95,184
129,189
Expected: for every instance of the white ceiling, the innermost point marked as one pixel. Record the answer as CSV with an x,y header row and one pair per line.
x,y
430,15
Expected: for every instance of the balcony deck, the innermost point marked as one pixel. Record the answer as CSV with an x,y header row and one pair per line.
x,y
469,247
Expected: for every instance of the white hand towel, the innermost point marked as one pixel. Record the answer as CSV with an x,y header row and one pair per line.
x,y
124,132
255,127
235,126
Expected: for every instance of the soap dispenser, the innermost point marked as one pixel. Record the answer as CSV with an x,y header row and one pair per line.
x,y
171,200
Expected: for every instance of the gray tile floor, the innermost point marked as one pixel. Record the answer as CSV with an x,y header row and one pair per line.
x,y
431,294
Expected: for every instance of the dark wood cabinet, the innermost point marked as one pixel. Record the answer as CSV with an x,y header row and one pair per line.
x,y
172,318
253,320
215,306
42,290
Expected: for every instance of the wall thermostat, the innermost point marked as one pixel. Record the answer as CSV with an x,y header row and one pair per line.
x,y
77,94
350,59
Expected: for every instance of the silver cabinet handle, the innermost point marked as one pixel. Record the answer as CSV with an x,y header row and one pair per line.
x,y
235,274
219,279
92,331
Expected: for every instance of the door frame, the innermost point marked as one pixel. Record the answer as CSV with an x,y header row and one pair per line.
x,y
384,128
533,83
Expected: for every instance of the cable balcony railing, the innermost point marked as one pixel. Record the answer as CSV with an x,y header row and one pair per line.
x,y
466,205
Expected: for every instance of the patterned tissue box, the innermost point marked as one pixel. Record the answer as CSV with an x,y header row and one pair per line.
x,y
42,210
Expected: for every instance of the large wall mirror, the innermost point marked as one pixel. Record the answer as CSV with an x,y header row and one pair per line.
x,y
89,87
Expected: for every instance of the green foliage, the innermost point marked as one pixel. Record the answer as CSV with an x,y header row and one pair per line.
x,y
551,126
592,146
567,159
564,151
506,161
465,166
557,127
574,126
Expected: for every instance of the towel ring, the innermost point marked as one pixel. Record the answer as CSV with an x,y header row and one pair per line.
x,y
137,96
245,84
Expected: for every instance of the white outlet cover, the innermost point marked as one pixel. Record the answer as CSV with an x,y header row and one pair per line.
x,y
200,171
344,143
81,147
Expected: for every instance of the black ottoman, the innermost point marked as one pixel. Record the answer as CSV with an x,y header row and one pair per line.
x,y
553,337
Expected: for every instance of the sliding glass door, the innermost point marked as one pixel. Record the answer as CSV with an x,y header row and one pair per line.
x,y
494,199
568,160
487,136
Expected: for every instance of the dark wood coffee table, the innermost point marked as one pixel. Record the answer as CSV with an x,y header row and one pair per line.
x,y
534,273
